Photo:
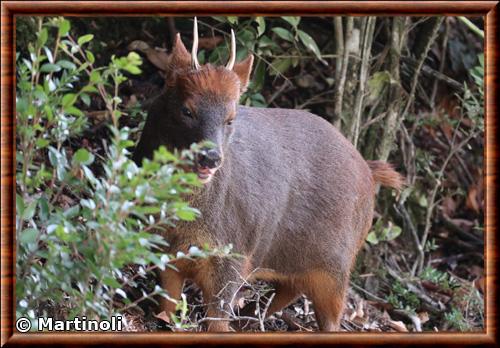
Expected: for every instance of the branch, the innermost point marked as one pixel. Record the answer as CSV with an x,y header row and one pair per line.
x,y
340,84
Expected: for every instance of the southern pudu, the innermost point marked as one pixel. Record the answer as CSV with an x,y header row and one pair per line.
x,y
284,187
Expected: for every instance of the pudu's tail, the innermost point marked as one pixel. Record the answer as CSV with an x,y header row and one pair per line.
x,y
385,174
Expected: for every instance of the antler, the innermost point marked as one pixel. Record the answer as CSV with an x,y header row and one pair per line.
x,y
232,57
194,50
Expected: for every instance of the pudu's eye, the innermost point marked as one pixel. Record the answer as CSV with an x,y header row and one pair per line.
x,y
228,122
186,112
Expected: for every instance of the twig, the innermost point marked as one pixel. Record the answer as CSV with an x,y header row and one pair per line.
x,y
429,41
339,45
472,26
340,84
443,61
366,292
417,323
419,264
393,114
263,316
363,74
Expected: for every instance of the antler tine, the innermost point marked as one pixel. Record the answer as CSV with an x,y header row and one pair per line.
x,y
232,56
194,50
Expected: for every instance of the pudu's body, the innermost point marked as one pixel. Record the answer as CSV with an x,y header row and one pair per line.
x,y
285,188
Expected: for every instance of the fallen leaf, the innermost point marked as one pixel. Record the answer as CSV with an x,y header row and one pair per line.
x,y
241,302
399,326
209,42
163,316
424,317
448,206
479,284
472,200
157,57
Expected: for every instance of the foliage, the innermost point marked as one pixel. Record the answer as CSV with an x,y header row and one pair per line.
x,y
383,234
442,279
82,216
455,319
402,298
277,43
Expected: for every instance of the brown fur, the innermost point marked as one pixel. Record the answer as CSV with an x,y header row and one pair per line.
x,y
385,174
210,81
291,194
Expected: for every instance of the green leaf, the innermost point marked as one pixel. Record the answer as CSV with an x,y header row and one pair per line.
x,y
84,39
89,88
95,76
85,98
111,282
64,26
42,37
283,33
47,68
294,21
44,208
90,56
68,100
232,19
261,25
377,83
29,211
372,238
71,110
259,75
390,233
82,156
28,236
132,69
187,214
311,45
422,201
280,65
19,205
41,143
66,64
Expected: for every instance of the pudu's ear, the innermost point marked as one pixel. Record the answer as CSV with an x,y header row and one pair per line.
x,y
243,69
179,57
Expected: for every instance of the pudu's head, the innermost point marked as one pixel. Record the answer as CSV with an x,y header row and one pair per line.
x,y
202,102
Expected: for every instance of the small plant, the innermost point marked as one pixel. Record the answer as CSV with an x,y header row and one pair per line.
x,y
402,298
442,279
380,233
456,320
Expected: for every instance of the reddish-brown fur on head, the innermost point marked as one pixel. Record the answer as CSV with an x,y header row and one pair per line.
x,y
210,82
209,78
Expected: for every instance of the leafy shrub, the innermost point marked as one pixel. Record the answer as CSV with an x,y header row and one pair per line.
x,y
277,43
75,229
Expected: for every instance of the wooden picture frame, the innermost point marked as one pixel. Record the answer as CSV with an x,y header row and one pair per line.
x,y
9,336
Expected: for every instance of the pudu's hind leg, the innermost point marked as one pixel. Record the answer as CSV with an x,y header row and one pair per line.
x,y
327,292
283,294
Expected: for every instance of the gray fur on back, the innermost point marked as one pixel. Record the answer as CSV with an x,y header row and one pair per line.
x,y
289,180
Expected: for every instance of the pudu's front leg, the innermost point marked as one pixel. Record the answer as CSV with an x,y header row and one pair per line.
x,y
219,279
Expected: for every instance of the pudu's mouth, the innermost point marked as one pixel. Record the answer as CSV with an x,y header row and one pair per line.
x,y
205,174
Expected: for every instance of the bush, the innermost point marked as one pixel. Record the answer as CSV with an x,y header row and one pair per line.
x,y
76,230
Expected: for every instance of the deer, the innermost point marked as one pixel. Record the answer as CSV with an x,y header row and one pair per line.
x,y
284,187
